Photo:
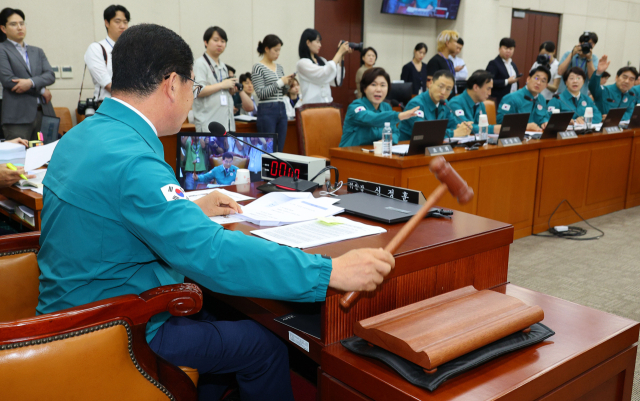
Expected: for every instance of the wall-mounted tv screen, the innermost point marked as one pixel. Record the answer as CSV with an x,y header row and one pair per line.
x,y
445,9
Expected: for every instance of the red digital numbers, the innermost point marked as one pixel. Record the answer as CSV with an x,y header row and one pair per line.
x,y
279,169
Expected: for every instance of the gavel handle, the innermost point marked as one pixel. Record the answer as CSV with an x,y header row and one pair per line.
x,y
393,245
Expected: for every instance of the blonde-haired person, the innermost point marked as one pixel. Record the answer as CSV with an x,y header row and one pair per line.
x,y
447,46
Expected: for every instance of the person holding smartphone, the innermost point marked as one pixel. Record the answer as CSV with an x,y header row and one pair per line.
x,y
504,70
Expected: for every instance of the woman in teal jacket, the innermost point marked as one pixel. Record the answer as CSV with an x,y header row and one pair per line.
x,y
366,116
572,99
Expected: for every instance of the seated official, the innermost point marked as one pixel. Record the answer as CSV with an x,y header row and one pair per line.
x,y
431,108
528,100
572,99
224,174
616,95
366,116
469,104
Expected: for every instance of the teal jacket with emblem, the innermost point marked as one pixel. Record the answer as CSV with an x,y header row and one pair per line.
x,y
462,106
363,124
222,177
610,97
430,112
110,227
569,103
522,101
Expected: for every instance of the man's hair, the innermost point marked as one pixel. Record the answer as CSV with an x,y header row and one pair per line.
x,y
446,36
627,69
110,12
227,155
507,42
443,73
587,36
245,76
460,42
605,75
541,68
8,12
208,34
548,46
574,70
480,78
371,74
144,55
364,52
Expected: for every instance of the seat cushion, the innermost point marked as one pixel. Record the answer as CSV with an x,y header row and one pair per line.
x,y
19,286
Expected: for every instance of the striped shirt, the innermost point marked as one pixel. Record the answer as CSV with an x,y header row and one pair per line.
x,y
267,84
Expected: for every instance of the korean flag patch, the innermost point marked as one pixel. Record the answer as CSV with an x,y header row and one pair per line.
x,y
550,109
419,113
584,103
459,113
173,192
625,100
359,109
506,107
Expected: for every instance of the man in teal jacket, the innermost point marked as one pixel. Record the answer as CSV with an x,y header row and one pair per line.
x,y
432,106
224,174
528,100
469,105
618,95
572,98
115,222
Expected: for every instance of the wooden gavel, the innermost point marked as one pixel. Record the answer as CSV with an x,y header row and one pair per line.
x,y
450,180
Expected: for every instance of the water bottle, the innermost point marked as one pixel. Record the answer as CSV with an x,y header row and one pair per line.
x,y
483,127
387,139
588,117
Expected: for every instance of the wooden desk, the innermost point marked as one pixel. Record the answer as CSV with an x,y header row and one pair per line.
x,y
633,185
591,357
25,197
518,184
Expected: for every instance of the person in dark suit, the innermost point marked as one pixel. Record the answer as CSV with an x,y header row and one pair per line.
x,y
504,71
415,71
24,73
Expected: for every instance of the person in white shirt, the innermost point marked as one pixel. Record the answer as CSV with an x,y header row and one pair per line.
x,y
547,53
293,99
315,73
98,55
461,69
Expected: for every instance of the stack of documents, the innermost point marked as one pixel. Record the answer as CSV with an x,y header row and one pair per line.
x,y
280,208
12,153
194,195
34,184
245,118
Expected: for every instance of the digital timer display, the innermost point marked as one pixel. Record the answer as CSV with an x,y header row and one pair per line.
x,y
280,169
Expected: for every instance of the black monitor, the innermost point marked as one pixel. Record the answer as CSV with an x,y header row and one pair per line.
x,y
613,117
634,121
401,93
514,125
205,149
49,128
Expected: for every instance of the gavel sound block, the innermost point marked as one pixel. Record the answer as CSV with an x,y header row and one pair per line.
x,y
437,330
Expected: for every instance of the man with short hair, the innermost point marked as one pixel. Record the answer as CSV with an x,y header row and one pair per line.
x,y
468,106
528,100
504,70
548,51
25,74
432,105
98,55
224,174
616,95
458,63
140,231
578,58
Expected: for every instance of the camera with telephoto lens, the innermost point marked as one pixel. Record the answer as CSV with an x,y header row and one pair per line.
x,y
543,60
353,45
585,45
88,107
239,86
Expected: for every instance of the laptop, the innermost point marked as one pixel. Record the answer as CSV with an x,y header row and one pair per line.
x,y
49,129
557,123
514,125
634,121
378,208
425,134
613,117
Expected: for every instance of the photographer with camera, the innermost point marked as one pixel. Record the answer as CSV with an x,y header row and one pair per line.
x,y
580,56
546,58
215,101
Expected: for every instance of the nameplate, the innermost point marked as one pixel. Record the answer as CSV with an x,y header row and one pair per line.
x,y
567,135
387,191
513,141
438,150
612,130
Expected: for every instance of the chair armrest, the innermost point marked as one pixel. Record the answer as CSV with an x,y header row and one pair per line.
x,y
18,243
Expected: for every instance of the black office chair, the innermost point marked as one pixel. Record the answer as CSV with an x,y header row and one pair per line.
x,y
400,93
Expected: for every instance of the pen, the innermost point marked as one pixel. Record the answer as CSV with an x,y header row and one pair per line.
x,y
12,167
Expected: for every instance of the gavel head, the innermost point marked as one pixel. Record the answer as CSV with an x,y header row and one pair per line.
x,y
448,176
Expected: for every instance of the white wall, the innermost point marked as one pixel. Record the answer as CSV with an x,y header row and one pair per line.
x,y
65,28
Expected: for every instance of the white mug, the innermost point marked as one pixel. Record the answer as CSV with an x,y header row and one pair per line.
x,y
243,176
377,148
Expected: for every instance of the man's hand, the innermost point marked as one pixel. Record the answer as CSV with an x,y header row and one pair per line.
x,y
228,83
195,176
512,80
463,129
533,127
47,96
579,120
577,49
22,85
218,204
9,177
496,129
603,64
543,126
361,269
20,141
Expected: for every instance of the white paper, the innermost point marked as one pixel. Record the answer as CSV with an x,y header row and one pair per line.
x,y
461,139
580,127
314,233
194,195
279,208
230,218
400,149
245,118
36,181
38,156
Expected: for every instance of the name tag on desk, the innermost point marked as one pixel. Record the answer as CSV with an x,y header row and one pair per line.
x,y
567,135
513,141
438,150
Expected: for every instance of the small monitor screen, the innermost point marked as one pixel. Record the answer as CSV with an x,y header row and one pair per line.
x,y
49,129
445,9
205,161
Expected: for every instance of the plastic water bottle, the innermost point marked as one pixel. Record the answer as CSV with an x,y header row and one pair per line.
x,y
387,139
588,117
483,127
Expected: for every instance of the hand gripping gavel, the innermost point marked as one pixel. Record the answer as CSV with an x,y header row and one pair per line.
x,y
450,180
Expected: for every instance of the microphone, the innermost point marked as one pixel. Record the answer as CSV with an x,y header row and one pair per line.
x,y
292,184
562,100
610,100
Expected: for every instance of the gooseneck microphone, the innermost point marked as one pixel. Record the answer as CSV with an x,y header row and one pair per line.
x,y
563,102
444,103
292,184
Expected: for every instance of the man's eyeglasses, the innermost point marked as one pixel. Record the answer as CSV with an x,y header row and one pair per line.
x,y
197,88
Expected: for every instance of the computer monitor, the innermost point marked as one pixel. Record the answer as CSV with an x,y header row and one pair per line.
x,y
557,123
49,128
206,151
514,125
425,134
613,117
401,93
634,121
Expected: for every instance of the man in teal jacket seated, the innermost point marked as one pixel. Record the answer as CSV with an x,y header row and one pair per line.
x,y
367,116
573,100
469,105
224,174
528,100
618,95
115,221
432,106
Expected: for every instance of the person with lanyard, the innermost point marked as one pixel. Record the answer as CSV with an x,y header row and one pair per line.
x,y
195,160
468,106
415,71
573,100
98,56
134,229
578,58
528,100
618,95
447,46
504,70
224,174
366,117
432,106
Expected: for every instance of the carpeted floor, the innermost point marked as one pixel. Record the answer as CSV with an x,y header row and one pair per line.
x,y
603,274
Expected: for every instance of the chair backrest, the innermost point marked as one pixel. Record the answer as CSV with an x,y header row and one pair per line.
x,y
19,276
79,117
319,128
490,105
64,115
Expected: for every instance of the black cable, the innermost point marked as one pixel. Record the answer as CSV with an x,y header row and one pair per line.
x,y
325,169
573,231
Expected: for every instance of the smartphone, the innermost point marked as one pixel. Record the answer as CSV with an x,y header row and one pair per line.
x,y
519,75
